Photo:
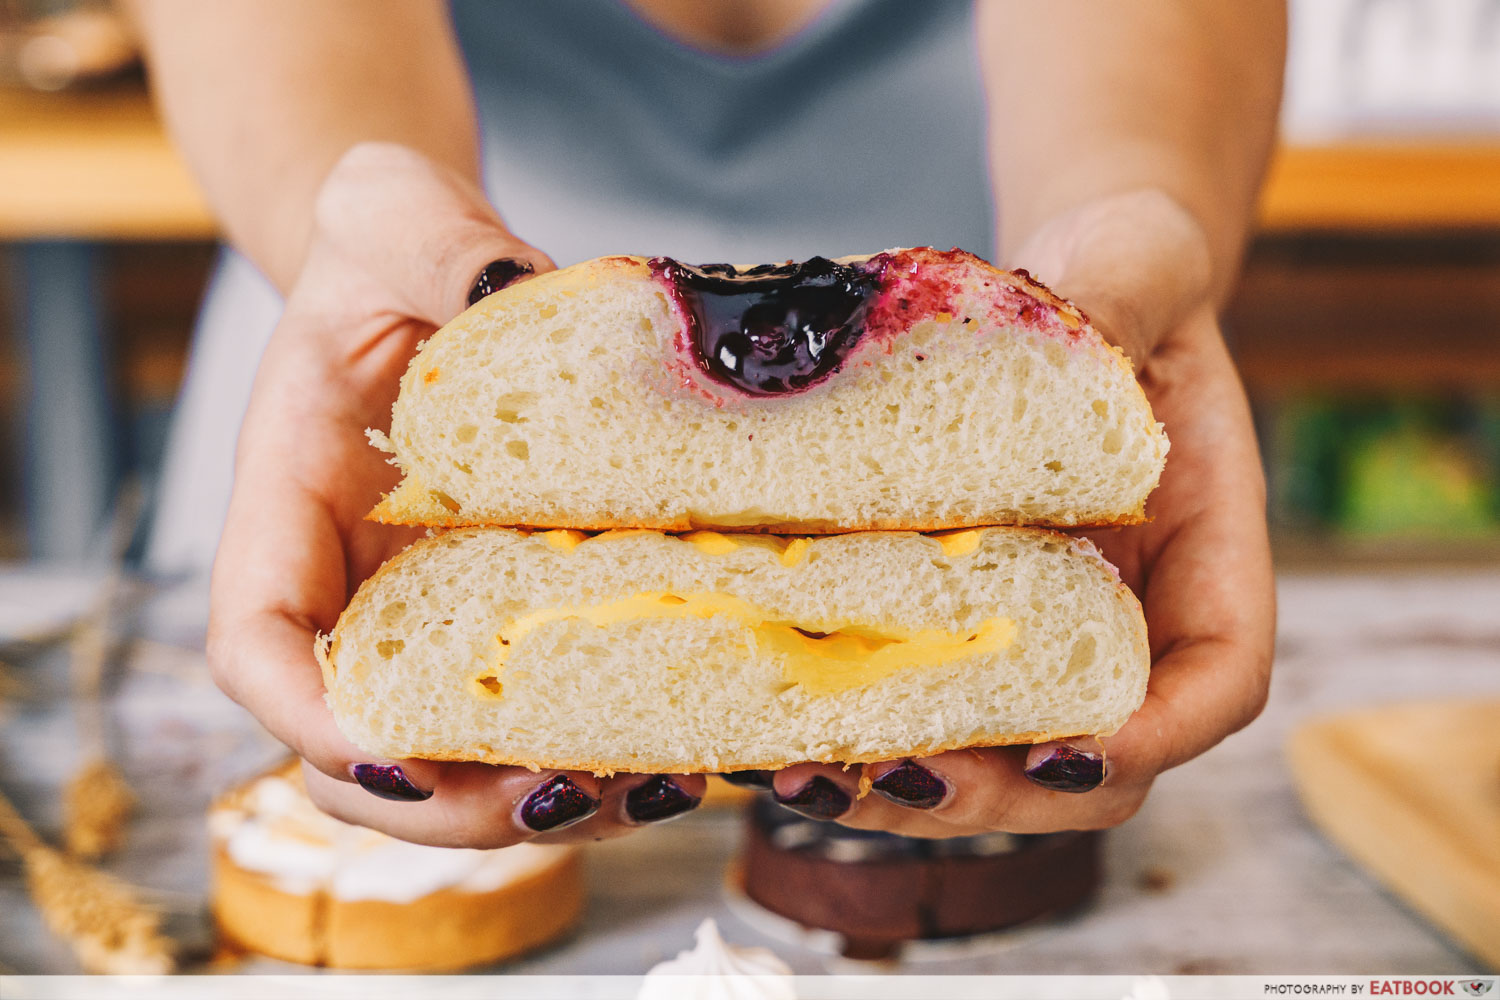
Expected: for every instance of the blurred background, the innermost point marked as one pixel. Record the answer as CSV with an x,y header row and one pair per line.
x,y
1367,325
1367,329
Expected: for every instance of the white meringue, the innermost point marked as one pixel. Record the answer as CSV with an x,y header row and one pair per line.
x,y
715,970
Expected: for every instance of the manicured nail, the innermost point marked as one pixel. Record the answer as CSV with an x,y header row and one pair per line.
x,y
388,781
1067,769
497,274
912,785
557,803
818,799
759,780
656,799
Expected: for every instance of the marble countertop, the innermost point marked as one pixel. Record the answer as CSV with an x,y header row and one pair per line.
x,y
1219,873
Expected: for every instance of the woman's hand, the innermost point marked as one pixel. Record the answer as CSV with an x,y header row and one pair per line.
x,y
397,246
1138,265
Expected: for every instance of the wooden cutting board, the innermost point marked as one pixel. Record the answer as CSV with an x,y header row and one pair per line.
x,y
1412,793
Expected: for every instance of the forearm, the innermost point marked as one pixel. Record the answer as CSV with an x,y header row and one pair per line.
x,y
264,96
1090,99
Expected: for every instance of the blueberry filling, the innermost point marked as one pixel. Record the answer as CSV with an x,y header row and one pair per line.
x,y
776,328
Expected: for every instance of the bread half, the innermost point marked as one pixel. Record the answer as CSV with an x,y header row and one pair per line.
x,y
637,651
954,394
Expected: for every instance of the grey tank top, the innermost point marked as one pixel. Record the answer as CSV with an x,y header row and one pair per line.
x,y
602,135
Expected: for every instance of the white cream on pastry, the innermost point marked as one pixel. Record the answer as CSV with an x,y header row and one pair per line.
x,y
277,831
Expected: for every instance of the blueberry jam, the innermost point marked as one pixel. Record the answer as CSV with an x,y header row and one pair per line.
x,y
776,328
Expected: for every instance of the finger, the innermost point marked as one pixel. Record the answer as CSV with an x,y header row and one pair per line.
x,y
1076,765
830,793
1209,590
817,791
958,793
427,233
636,800
475,805
987,789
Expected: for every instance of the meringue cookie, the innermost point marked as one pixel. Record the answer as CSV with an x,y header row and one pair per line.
x,y
715,970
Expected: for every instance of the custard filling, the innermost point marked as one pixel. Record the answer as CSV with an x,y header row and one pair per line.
x,y
822,658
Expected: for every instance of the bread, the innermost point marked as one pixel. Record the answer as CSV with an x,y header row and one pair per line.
x,y
955,395
637,651
296,884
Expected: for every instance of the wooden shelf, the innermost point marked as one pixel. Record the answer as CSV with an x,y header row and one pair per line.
x,y
93,165
1364,186
96,164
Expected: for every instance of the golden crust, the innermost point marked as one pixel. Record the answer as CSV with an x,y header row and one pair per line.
x,y
387,512
668,765
252,914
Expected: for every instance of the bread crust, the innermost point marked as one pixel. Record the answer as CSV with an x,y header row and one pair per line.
x,y
667,765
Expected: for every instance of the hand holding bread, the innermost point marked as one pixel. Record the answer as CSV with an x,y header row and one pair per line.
x,y
1137,265
399,243
296,547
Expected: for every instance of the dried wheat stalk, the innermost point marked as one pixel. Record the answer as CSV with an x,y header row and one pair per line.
x,y
96,804
109,930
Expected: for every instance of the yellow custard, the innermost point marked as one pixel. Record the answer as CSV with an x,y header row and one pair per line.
x,y
563,539
960,543
822,658
710,543
795,551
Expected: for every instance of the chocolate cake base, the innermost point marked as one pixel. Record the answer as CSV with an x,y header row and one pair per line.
x,y
880,890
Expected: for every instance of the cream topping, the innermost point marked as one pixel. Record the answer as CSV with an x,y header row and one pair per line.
x,y
277,831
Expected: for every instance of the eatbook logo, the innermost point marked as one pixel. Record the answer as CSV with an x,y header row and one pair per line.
x,y
1477,987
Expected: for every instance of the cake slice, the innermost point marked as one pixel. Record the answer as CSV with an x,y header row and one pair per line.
x,y
911,389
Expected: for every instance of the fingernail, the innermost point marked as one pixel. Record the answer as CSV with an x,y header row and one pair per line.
x,y
388,781
818,799
497,274
656,799
911,785
1067,769
759,780
557,803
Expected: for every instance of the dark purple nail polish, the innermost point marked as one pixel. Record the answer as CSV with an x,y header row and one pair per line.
x,y
388,781
497,274
1067,769
656,799
818,799
912,785
758,780
557,803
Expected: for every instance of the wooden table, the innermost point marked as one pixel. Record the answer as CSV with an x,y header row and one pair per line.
x,y
1221,872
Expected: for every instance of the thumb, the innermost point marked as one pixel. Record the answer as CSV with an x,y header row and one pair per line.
x,y
1137,263
424,232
